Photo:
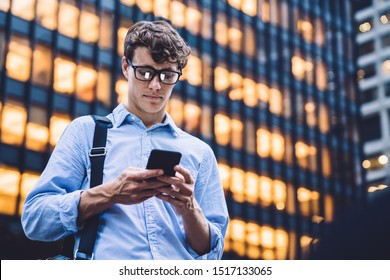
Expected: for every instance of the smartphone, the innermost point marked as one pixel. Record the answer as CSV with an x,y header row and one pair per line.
x,y
165,160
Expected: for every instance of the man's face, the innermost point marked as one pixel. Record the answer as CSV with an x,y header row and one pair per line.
x,y
147,97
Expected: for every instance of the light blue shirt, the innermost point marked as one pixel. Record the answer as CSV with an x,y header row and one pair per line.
x,y
149,230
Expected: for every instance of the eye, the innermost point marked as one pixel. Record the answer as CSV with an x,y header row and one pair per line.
x,y
145,73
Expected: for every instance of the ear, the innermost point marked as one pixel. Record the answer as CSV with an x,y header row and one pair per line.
x,y
125,68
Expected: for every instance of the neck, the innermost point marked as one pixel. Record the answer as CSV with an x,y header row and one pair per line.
x,y
148,119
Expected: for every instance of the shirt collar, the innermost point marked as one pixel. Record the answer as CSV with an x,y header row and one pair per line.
x,y
121,115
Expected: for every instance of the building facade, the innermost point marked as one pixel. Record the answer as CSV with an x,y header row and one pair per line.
x,y
270,85
373,39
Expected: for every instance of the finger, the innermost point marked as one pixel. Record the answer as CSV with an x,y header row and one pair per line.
x,y
177,184
151,184
185,173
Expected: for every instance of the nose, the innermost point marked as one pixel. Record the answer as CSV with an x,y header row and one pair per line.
x,y
155,83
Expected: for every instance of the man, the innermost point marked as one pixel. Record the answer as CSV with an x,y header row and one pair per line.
x,y
143,214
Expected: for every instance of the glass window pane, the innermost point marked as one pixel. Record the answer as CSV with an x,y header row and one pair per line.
x,y
106,31
13,123
37,134
237,133
4,5
192,118
222,129
121,90
178,13
64,75
104,87
42,65
176,110
23,8
193,18
68,18
9,189
367,47
86,82
28,182
58,123
206,118
19,58
161,8
47,13
89,24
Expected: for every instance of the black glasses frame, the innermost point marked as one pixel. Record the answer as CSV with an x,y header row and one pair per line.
x,y
154,72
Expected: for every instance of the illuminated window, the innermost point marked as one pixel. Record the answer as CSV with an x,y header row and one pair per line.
x,y
277,146
195,67
121,90
42,65
224,171
13,123
308,201
306,155
18,61
4,5
235,36
237,234
385,17
321,76
2,48
178,13
275,101
237,184
250,41
206,70
310,109
161,8
23,8
37,135
323,119
236,85
326,162
222,129
300,67
128,2
249,7
221,30
251,187
146,6
263,92
58,123
274,10
68,17
103,87
328,208
106,36
249,91
193,18
206,118
64,75
366,25
192,117
176,111
305,28
265,11
89,24
121,33
9,189
319,34
263,142
237,133
250,137
206,24
221,80
28,182
86,82
386,66
47,13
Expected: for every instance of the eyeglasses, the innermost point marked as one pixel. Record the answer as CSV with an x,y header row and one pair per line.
x,y
147,73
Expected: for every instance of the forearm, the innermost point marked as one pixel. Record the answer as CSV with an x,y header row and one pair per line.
x,y
93,202
197,230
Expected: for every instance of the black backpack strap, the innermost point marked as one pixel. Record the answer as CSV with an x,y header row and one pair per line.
x,y
97,156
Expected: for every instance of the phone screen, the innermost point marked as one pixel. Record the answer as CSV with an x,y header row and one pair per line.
x,y
165,160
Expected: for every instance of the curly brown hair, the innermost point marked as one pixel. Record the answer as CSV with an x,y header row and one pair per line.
x,y
162,41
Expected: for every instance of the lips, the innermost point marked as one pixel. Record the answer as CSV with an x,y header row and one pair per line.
x,y
153,97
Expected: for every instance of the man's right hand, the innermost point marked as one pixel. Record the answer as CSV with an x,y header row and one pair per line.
x,y
132,186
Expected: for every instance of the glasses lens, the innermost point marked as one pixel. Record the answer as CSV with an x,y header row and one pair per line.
x,y
169,77
144,74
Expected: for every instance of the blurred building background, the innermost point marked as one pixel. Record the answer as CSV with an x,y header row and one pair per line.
x,y
373,40
270,85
